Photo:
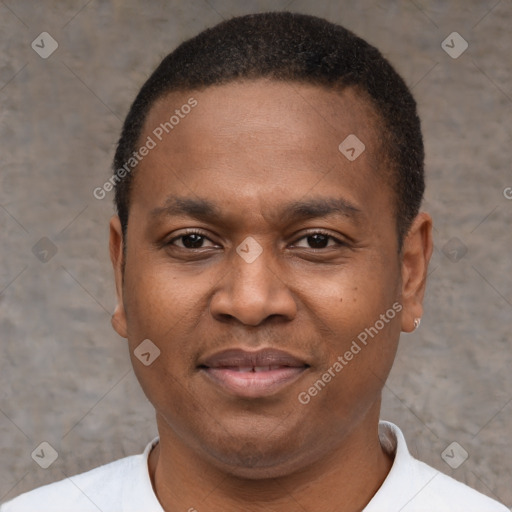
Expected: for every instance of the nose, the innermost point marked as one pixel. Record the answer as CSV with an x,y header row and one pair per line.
x,y
253,291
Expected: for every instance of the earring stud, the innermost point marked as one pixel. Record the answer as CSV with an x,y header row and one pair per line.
x,y
417,322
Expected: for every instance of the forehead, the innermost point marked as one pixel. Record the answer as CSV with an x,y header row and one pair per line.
x,y
263,106
259,137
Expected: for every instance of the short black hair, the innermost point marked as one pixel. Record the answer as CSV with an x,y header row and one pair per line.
x,y
291,47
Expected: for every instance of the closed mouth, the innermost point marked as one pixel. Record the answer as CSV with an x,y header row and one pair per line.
x,y
252,374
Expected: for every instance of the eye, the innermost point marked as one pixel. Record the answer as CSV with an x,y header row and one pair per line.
x,y
192,239
319,240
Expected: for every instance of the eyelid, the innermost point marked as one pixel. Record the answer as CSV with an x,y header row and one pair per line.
x,y
310,232
320,231
189,231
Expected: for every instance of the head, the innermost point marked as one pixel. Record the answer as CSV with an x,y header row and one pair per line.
x,y
291,48
291,245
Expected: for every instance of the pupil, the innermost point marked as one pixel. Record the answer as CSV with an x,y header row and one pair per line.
x,y
195,244
316,244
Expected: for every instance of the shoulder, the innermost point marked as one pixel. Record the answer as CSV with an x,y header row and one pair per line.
x,y
413,486
98,489
442,492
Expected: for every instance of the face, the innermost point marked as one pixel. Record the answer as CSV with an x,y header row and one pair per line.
x,y
250,231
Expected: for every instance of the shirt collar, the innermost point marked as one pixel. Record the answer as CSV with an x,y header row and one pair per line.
x,y
391,439
139,493
395,491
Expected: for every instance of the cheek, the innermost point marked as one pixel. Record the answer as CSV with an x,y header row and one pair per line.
x,y
358,311
164,306
360,358
352,297
155,299
158,310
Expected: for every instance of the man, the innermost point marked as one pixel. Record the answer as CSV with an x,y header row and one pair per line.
x,y
268,251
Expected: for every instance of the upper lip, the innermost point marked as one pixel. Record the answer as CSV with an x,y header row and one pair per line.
x,y
236,357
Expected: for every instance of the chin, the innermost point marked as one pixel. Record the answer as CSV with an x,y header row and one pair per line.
x,y
255,459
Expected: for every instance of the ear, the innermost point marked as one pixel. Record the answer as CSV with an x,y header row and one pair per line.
x,y
416,252
116,256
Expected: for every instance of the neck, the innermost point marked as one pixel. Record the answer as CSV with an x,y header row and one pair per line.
x,y
343,478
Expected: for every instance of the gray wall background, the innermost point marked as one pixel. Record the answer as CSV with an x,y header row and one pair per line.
x,y
65,376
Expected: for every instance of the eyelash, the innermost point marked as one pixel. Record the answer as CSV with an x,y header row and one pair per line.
x,y
200,233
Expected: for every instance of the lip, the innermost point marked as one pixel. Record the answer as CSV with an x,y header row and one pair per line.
x,y
252,374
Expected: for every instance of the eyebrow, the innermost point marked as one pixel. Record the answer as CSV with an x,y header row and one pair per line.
x,y
204,209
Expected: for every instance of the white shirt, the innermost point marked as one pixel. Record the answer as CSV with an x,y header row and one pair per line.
x,y
125,486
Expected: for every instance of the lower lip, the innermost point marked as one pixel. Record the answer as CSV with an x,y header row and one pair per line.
x,y
253,384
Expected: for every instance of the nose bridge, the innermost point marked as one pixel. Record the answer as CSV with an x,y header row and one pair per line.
x,y
253,290
252,265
